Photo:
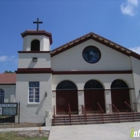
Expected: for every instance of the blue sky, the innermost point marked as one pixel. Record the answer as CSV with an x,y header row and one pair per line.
x,y
116,20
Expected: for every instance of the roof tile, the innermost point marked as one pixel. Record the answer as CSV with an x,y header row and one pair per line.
x,y
8,78
97,38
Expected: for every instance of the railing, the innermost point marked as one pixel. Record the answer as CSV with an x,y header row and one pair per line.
x,y
100,112
69,112
116,111
54,111
84,112
129,106
132,111
54,114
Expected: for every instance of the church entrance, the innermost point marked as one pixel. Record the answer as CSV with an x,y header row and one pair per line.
x,y
66,98
94,96
120,95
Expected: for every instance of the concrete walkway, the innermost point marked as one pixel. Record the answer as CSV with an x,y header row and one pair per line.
x,y
114,131
25,129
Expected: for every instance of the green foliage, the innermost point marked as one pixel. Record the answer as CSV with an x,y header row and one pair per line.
x,y
8,71
14,136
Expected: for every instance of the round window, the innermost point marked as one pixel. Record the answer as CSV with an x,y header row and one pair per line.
x,y
91,54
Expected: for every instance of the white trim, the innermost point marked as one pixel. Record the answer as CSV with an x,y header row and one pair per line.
x,y
34,93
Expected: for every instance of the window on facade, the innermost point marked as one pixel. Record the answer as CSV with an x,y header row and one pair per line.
x,y
35,45
93,84
1,96
66,85
91,54
116,84
33,92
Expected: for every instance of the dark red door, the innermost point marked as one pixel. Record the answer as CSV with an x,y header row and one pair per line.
x,y
92,97
119,96
63,98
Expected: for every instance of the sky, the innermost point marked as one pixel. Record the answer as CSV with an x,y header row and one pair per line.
x,y
116,20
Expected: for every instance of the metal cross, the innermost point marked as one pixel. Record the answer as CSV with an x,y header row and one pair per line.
x,y
37,22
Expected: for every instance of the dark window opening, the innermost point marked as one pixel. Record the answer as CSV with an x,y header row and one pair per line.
x,y
93,84
117,84
66,85
1,96
35,45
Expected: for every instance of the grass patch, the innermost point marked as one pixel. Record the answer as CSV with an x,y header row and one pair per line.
x,y
5,116
14,136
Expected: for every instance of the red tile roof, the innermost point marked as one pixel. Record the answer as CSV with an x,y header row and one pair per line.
x,y
97,38
39,32
7,78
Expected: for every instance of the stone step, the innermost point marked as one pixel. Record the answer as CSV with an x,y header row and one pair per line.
x,y
96,118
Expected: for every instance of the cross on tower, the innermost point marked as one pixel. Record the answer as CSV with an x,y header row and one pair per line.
x,y
37,22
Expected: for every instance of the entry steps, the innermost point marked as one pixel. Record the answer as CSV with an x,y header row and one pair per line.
x,y
96,118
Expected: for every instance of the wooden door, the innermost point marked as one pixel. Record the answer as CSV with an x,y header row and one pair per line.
x,y
63,98
119,96
92,97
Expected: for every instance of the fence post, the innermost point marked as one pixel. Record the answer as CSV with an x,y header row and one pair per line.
x,y
19,113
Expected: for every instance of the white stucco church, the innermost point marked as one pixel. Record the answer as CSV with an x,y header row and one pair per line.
x,y
89,71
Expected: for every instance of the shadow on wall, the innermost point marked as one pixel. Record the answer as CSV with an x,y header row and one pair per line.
x,y
40,106
32,64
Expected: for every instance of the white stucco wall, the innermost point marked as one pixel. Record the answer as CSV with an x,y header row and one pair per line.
x,y
136,78
9,93
72,59
25,60
34,112
44,42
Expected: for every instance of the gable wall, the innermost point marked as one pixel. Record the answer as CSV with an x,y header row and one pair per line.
x,y
72,59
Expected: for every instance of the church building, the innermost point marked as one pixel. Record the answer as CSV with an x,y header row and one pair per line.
x,y
90,71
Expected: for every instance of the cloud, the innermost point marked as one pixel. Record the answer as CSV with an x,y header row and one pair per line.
x,y
127,10
129,7
5,58
136,49
133,2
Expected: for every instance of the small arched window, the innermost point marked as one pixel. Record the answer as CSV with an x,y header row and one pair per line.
x,y
66,85
93,84
35,45
1,96
117,84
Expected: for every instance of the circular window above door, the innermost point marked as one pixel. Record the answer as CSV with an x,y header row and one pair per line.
x,y
91,54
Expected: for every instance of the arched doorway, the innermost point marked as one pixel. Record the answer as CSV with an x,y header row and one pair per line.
x,y
120,95
1,96
94,94
66,94
35,45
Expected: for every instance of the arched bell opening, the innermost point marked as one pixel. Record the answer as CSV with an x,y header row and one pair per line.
x,y
35,45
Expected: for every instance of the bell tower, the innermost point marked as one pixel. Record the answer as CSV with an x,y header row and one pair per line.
x,y
34,75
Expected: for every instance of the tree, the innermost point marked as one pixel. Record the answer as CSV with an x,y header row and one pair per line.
x,y
8,71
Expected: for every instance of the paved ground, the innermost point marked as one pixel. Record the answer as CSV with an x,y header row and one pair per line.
x,y
114,131
25,129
